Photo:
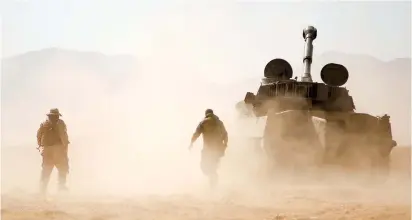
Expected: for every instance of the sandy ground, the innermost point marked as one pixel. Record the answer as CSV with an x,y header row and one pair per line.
x,y
327,201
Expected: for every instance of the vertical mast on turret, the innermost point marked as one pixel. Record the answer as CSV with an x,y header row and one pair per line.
x,y
309,34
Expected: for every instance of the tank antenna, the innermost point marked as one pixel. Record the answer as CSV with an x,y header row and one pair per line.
x,y
309,34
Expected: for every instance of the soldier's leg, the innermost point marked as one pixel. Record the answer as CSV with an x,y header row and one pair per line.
x,y
209,165
47,168
62,165
206,163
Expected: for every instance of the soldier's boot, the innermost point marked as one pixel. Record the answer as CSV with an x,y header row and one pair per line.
x,y
43,187
62,181
213,180
44,179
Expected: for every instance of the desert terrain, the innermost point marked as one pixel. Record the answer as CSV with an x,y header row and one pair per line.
x,y
234,199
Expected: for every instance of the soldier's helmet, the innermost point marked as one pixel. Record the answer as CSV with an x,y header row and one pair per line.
x,y
208,111
54,111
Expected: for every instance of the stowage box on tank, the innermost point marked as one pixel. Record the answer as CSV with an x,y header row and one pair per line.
x,y
311,124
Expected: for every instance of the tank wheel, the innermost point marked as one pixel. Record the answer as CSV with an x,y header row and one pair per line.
x,y
380,171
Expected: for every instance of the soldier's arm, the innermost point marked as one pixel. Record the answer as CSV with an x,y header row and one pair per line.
x,y
197,133
224,133
39,134
64,130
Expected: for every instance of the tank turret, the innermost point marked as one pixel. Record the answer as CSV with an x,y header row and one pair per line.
x,y
305,94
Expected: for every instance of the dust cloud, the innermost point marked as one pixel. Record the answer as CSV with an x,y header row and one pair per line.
x,y
129,156
132,140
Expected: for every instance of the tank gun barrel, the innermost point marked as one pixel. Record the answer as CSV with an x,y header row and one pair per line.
x,y
309,34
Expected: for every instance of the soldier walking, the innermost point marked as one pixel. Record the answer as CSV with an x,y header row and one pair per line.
x,y
215,140
53,141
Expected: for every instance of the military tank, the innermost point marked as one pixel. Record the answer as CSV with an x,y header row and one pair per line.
x,y
311,125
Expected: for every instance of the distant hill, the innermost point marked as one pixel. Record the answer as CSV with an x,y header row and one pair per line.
x,y
20,73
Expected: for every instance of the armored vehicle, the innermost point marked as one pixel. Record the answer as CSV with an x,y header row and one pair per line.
x,y
314,125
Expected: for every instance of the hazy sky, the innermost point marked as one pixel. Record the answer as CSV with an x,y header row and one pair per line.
x,y
381,29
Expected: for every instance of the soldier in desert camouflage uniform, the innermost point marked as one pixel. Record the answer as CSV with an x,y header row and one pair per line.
x,y
215,140
53,141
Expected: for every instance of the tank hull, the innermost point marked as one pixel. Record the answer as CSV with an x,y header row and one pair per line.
x,y
302,142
